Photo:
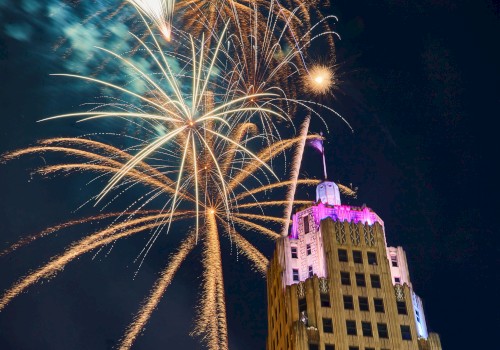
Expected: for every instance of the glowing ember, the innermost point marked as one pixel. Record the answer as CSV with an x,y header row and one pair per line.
x,y
319,80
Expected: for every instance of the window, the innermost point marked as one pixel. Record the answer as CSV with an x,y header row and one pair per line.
x,y
302,305
342,255
378,304
295,274
357,256
348,302
329,347
313,347
367,329
372,258
397,280
353,347
306,224
394,260
405,333
325,299
401,307
351,327
363,304
308,249
345,278
382,330
375,281
327,325
294,253
418,316
360,280
369,348
311,273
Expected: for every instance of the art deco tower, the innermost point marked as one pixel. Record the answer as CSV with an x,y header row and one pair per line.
x,y
333,283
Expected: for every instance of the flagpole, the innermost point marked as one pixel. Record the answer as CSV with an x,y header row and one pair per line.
x,y
323,152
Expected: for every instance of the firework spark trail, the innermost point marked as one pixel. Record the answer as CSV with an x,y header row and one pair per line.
x,y
159,11
260,217
111,151
253,254
29,239
294,174
347,191
107,170
242,130
273,203
308,182
157,292
221,307
134,174
250,225
213,297
81,247
264,156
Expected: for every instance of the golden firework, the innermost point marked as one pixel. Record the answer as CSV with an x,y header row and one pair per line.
x,y
319,79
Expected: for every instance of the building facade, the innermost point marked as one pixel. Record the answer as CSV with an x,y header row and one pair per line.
x,y
334,284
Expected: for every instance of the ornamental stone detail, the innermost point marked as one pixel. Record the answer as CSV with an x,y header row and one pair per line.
x,y
301,290
323,285
399,291
368,235
354,232
340,234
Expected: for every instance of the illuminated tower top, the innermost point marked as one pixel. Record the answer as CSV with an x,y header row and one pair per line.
x,y
327,192
333,283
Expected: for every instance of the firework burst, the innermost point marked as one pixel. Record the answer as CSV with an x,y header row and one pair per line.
x,y
247,215
199,163
207,112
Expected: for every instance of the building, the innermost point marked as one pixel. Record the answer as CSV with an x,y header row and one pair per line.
x,y
334,284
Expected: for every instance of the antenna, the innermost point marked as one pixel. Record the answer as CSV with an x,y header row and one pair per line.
x,y
323,153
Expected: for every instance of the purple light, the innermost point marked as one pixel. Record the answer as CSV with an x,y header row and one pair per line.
x,y
295,224
337,213
317,144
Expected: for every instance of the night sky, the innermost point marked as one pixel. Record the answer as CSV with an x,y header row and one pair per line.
x,y
420,86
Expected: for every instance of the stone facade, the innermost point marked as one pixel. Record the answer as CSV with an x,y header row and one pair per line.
x,y
334,284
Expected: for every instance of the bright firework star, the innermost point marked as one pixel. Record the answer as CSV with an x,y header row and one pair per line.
x,y
319,79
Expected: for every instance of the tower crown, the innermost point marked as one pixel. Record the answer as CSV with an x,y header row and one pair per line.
x,y
327,192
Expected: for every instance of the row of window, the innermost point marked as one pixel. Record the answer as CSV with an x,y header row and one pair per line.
x,y
345,279
366,329
357,256
295,273
332,347
295,254
378,304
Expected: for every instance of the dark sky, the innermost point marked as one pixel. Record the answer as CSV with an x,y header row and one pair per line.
x,y
420,87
